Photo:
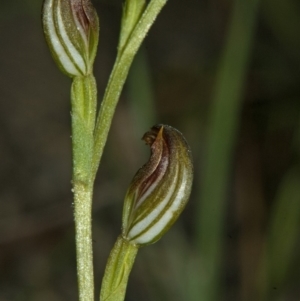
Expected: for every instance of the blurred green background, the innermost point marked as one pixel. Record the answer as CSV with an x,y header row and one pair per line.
x,y
226,74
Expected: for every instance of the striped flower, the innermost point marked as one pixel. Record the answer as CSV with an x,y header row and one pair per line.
x,y
160,189
71,29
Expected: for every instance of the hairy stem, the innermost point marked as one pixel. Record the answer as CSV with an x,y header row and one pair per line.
x,y
84,97
83,233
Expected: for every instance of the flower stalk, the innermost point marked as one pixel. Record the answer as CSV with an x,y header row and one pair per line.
x,y
118,268
83,100
71,29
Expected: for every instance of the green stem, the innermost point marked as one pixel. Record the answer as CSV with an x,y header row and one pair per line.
x,y
118,77
84,102
83,232
83,97
117,270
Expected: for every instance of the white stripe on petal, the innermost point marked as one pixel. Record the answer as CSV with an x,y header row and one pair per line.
x,y
163,167
156,211
77,58
160,225
60,53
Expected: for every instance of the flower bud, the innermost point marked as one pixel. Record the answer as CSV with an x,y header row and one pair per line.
x,y
71,29
160,190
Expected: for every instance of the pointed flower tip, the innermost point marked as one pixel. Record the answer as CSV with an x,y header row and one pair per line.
x,y
71,29
161,188
152,135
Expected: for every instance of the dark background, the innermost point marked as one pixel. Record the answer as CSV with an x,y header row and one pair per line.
x,y
240,243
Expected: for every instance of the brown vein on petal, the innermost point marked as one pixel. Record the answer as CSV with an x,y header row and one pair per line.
x,y
168,171
177,178
58,10
80,14
90,14
140,180
150,173
161,166
177,147
171,175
